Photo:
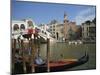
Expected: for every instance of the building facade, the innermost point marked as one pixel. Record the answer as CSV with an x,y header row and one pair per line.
x,y
70,29
89,31
61,31
56,30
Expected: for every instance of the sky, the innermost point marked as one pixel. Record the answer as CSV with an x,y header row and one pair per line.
x,y
43,13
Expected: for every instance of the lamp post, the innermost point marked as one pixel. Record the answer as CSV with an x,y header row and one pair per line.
x,y
48,53
33,53
23,55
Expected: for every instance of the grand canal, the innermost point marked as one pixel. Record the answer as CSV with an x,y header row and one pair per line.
x,y
59,51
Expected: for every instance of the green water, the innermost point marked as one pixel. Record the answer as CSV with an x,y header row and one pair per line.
x,y
60,51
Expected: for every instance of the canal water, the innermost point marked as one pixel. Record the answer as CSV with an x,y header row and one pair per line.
x,y
59,51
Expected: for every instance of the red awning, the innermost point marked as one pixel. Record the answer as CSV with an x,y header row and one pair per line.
x,y
31,31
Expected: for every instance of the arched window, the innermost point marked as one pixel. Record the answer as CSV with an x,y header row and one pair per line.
x,y
16,27
42,31
22,26
45,33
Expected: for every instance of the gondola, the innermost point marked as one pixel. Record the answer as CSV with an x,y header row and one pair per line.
x,y
62,65
54,66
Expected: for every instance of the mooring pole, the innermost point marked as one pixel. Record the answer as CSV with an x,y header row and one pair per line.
x,y
13,53
23,55
38,46
33,53
48,54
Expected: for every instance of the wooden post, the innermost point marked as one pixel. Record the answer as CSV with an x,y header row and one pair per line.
x,y
48,54
39,46
32,54
13,53
23,56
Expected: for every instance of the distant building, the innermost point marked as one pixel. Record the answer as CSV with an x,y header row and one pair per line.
x,y
61,30
56,29
66,27
70,29
89,31
79,32
44,26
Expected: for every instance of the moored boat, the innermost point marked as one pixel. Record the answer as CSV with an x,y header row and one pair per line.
x,y
54,66
62,65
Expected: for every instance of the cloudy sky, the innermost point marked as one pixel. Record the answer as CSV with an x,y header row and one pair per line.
x,y
86,14
45,12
